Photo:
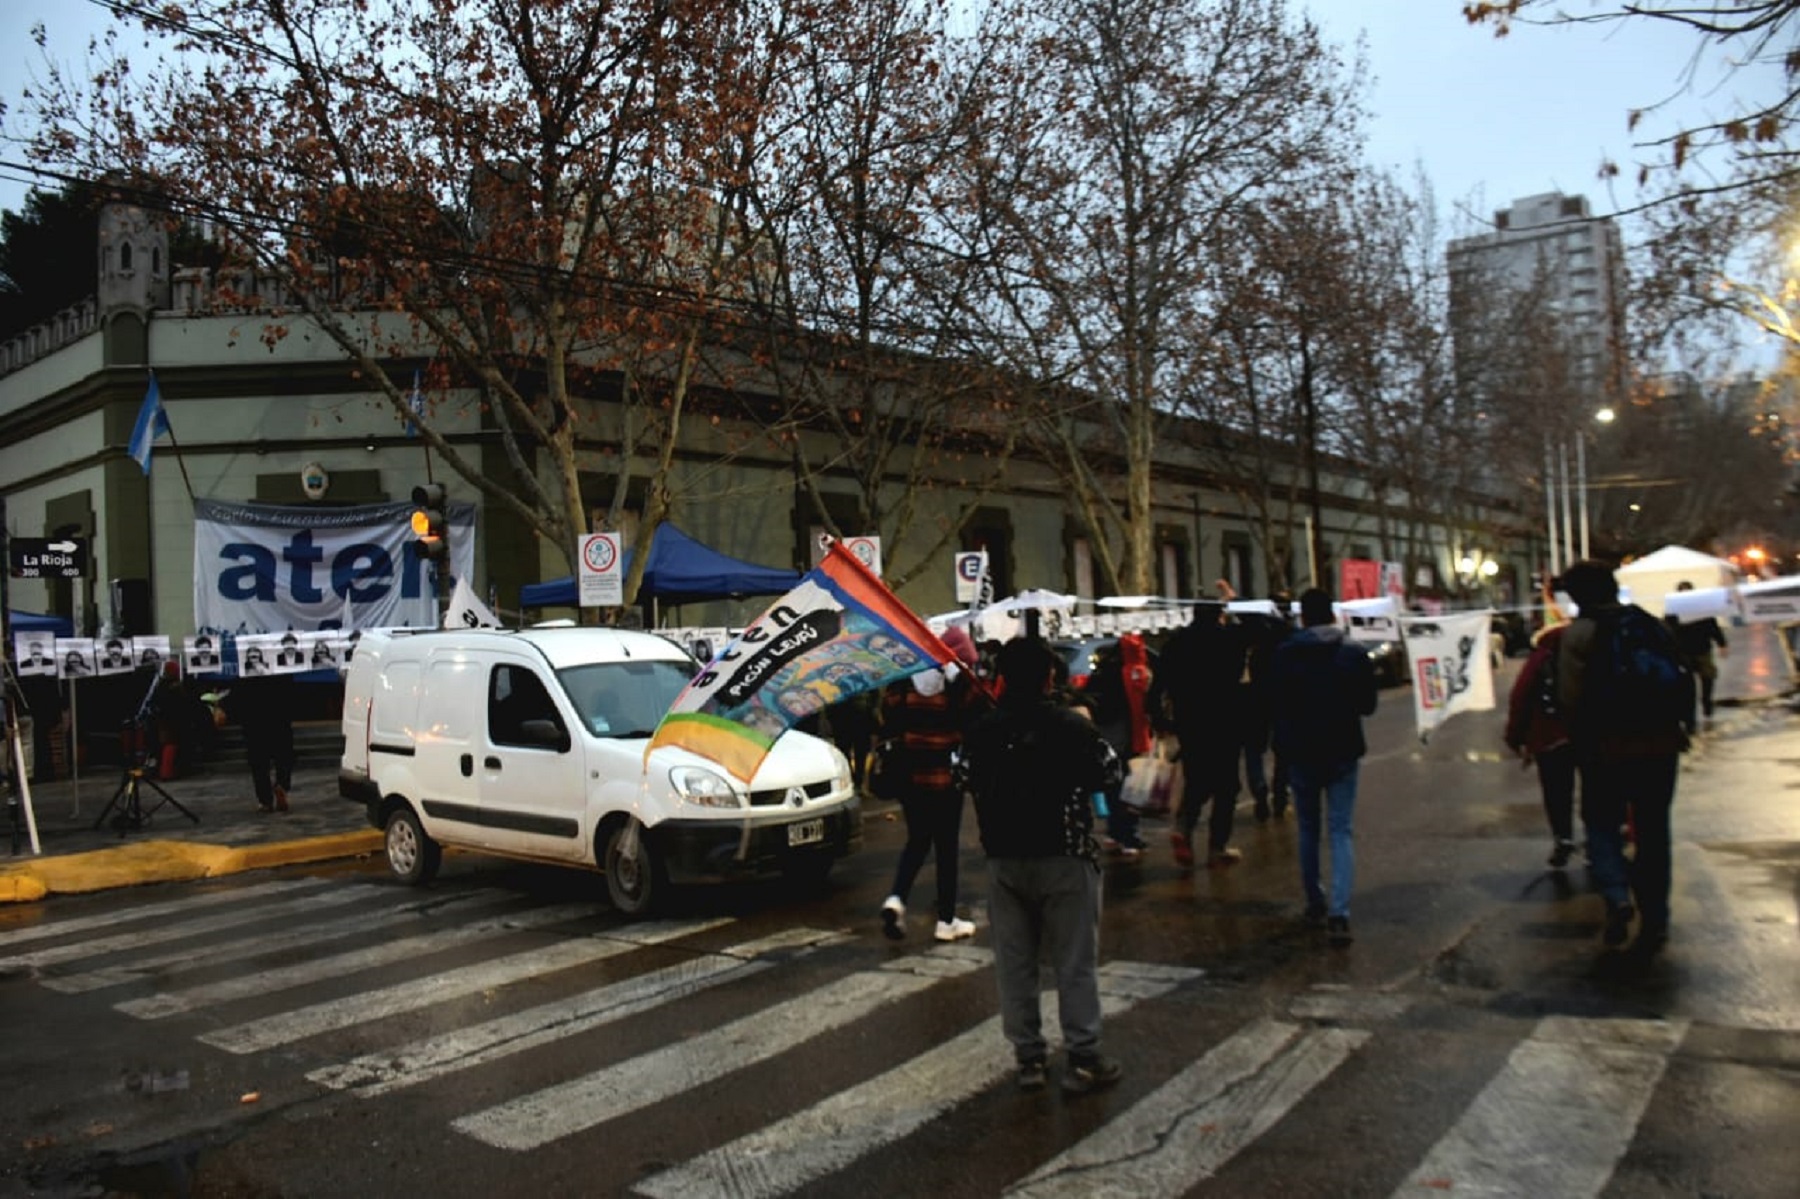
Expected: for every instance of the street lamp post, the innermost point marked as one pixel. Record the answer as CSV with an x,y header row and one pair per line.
x,y
1565,536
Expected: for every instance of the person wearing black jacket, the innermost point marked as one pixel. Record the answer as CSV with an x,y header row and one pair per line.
x,y
1197,682
1323,686
1266,633
263,708
1033,766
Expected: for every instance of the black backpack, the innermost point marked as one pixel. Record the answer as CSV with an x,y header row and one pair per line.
x,y
1638,683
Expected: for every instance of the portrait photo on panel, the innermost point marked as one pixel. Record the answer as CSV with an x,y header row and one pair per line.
x,y
75,658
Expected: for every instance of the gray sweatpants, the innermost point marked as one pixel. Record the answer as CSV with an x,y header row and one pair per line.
x,y
1046,910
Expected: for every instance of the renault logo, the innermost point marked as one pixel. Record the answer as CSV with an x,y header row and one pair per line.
x,y
797,796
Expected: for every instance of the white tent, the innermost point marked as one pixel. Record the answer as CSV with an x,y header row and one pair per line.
x,y
1654,576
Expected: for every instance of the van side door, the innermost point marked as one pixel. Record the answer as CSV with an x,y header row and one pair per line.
x,y
447,737
532,776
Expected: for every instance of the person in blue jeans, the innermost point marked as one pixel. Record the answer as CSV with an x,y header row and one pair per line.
x,y
1323,687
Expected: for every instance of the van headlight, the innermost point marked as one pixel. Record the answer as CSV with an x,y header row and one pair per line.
x,y
840,772
698,785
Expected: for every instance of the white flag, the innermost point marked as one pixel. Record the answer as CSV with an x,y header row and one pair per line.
x,y
467,612
1452,666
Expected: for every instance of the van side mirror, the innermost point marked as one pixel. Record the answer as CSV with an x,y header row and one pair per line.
x,y
546,733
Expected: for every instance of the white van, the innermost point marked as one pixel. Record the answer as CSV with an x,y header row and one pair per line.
x,y
530,744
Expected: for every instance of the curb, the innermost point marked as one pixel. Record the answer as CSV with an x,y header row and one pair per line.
x,y
170,862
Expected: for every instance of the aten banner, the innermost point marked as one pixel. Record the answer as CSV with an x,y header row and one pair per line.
x,y
260,568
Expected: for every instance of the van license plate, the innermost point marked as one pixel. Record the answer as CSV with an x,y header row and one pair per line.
x,y
806,832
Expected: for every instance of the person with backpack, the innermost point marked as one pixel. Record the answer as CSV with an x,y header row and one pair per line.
x,y
1033,766
1536,731
1627,696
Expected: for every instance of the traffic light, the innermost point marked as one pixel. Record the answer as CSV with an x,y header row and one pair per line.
x,y
428,523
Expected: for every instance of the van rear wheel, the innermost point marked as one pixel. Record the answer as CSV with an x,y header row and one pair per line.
x,y
412,856
634,874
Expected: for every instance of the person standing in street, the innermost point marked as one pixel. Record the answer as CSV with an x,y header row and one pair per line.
x,y
1269,790
1536,731
923,719
263,709
1697,639
1627,697
1198,675
1033,766
1126,731
1323,687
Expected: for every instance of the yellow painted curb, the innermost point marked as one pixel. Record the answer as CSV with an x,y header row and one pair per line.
x,y
169,862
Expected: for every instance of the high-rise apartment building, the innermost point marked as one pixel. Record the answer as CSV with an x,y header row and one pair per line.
x,y
1566,264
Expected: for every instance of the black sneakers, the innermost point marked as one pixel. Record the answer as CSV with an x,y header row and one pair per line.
x,y
1337,931
1031,1074
1084,1074
1559,857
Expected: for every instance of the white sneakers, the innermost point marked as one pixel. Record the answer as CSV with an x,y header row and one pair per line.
x,y
892,913
893,923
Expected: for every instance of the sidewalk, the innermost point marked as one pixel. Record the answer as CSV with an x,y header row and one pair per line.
x,y
233,835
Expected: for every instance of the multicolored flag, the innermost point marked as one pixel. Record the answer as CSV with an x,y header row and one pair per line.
x,y
838,633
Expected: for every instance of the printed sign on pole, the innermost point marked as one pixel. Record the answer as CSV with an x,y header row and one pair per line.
x,y
602,574
866,550
970,566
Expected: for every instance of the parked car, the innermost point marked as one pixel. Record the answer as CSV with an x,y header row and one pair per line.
x,y
1390,662
530,744
1078,656
1514,633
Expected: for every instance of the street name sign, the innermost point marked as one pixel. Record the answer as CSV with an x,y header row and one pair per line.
x,y
48,558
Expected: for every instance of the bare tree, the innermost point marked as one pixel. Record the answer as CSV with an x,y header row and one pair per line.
x,y
543,195
856,321
1129,136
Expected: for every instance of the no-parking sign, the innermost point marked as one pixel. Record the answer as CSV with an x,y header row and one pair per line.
x,y
867,551
970,566
600,571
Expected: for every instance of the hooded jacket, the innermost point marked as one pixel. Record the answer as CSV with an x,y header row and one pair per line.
x,y
1322,688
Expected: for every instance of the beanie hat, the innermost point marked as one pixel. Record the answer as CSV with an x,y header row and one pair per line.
x,y
956,639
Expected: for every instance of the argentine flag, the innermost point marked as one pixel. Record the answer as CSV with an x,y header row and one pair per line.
x,y
152,422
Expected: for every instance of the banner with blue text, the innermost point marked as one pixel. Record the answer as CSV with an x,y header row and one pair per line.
x,y
264,568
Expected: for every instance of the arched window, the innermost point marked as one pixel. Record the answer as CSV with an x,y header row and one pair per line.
x,y
125,257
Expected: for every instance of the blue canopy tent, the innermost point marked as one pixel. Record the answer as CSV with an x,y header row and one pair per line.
x,y
681,570
34,622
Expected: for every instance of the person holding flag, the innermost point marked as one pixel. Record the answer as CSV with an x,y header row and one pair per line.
x,y
923,720
838,633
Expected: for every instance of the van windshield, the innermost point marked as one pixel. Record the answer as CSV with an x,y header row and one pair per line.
x,y
624,699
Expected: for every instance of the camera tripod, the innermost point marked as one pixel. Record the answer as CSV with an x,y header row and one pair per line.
x,y
131,811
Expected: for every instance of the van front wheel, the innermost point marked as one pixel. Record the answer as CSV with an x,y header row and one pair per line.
x,y
412,856
634,875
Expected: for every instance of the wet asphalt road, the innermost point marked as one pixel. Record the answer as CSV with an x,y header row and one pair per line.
x,y
500,1031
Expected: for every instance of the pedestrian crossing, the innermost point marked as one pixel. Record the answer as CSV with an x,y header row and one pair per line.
x,y
374,990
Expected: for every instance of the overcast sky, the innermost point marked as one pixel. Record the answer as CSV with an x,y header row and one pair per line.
x,y
1536,111
1498,118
